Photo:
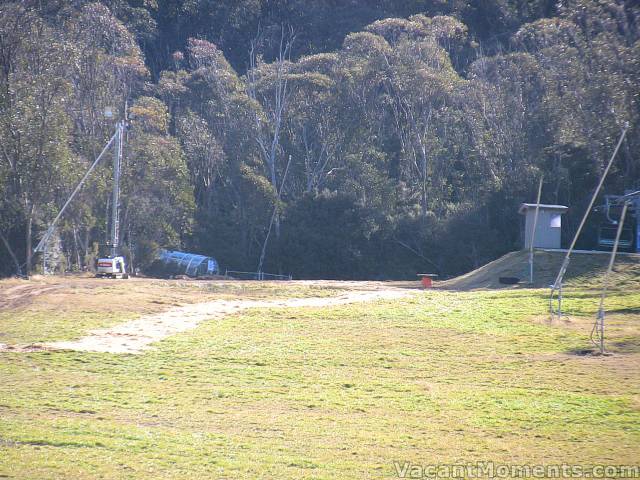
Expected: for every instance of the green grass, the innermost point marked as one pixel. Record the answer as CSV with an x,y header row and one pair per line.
x,y
341,392
78,304
270,289
58,325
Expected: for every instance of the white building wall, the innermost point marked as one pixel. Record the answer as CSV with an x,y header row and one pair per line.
x,y
548,228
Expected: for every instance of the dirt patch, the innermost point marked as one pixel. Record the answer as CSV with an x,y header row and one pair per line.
x,y
22,294
138,335
585,268
563,321
23,348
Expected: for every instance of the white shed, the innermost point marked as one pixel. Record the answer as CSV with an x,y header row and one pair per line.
x,y
548,228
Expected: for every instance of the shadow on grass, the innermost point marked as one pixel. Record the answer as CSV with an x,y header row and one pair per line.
x,y
618,346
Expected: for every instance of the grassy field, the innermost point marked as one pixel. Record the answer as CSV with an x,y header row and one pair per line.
x,y
337,393
54,308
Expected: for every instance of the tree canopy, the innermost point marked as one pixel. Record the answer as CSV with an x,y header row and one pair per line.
x,y
361,139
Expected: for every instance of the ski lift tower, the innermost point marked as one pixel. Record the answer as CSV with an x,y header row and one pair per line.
x,y
112,266
115,200
629,200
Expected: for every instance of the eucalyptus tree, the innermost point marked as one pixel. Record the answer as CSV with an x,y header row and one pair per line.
x,y
214,118
362,115
107,73
588,60
267,85
420,83
203,104
157,196
34,128
313,132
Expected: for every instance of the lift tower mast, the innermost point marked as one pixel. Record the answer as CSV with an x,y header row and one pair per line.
x,y
115,201
114,265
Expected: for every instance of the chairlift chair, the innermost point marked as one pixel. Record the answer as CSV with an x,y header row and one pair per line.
x,y
609,225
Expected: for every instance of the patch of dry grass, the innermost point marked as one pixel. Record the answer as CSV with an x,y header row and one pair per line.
x,y
62,308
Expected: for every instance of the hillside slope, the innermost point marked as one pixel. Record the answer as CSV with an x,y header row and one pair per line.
x,y
585,270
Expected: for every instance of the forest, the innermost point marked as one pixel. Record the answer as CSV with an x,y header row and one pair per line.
x,y
319,138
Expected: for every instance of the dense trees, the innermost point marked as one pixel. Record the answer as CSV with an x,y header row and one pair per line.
x,y
361,139
58,77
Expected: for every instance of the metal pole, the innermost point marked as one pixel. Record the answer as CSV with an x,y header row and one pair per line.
x,y
637,208
600,318
557,284
116,191
533,233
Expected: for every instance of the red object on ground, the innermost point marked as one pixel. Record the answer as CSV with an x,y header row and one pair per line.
x,y
427,279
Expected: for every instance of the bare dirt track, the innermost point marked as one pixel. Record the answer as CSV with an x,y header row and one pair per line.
x,y
18,295
137,335
79,312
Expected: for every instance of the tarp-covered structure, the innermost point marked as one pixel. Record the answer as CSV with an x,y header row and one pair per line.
x,y
171,263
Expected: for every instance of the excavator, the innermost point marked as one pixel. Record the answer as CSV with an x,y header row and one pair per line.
x,y
111,267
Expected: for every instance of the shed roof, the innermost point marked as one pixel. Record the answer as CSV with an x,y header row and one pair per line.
x,y
543,206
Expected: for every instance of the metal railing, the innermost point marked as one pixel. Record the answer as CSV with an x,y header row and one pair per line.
x,y
256,275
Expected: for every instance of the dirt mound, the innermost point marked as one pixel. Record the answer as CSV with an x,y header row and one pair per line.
x,y
585,268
